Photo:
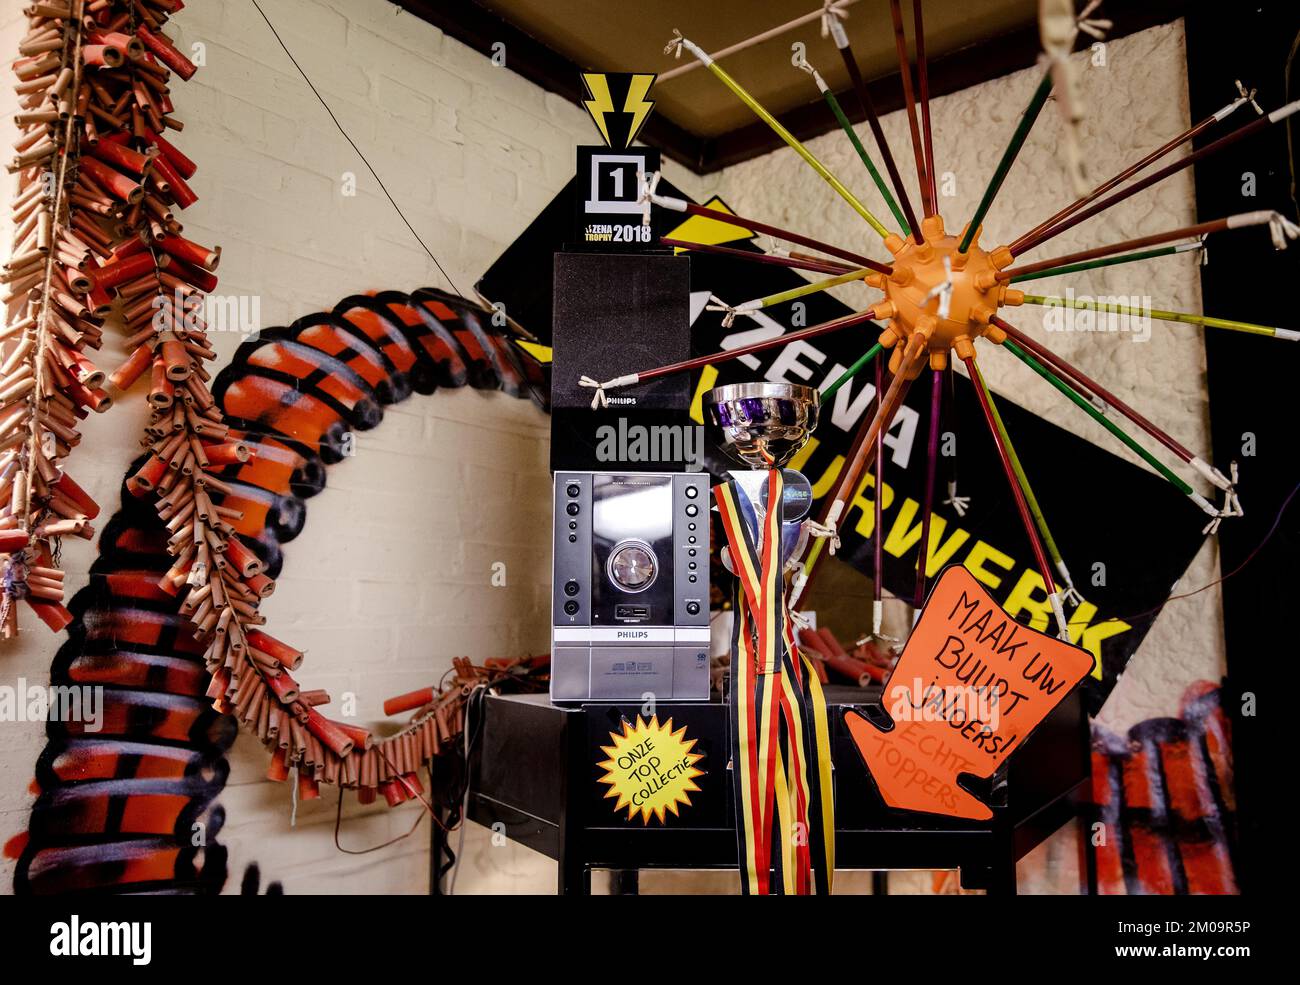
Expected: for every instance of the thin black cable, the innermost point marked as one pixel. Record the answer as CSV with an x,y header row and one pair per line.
x,y
470,729
338,825
1277,521
396,208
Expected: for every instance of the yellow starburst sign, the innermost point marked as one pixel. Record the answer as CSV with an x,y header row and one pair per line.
x,y
650,769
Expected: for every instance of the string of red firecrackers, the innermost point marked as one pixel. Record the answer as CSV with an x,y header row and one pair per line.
x,y
321,750
96,242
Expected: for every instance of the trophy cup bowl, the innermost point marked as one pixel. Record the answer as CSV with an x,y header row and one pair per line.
x,y
764,424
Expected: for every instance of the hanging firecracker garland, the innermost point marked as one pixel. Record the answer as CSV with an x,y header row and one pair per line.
x,y
96,244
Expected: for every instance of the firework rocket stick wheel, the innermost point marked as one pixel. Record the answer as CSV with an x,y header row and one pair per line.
x,y
940,296
942,293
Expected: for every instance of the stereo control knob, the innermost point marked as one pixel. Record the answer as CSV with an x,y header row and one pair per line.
x,y
573,490
692,509
693,608
571,587
571,607
632,566
573,509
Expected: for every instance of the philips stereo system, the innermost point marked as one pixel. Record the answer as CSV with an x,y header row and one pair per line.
x,y
630,606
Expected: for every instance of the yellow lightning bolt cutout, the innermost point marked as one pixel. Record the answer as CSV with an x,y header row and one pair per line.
x,y
637,104
600,102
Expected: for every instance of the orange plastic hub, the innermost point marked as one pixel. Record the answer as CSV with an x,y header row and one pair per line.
x,y
912,303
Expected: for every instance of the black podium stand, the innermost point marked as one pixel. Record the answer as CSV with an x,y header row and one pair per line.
x,y
533,771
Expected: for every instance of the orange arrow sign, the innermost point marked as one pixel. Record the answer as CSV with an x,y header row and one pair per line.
x,y
971,685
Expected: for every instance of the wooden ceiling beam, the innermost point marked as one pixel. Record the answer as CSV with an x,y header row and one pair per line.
x,y
479,28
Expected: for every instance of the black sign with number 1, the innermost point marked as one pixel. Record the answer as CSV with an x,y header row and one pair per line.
x,y
608,216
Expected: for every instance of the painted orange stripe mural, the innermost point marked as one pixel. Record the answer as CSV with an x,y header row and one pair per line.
x,y
118,810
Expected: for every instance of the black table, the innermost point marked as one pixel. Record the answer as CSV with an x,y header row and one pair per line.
x,y
533,771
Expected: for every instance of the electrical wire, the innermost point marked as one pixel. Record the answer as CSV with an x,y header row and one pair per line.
x,y
338,824
457,822
1277,520
470,734
396,208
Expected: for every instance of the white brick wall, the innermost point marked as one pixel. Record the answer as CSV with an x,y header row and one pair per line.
x,y
390,578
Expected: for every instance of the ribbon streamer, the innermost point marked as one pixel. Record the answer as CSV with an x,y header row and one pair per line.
x,y
781,777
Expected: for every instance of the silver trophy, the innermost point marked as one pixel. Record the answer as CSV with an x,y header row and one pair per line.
x,y
764,425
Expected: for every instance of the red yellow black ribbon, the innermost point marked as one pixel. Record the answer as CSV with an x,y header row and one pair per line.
x,y
780,730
